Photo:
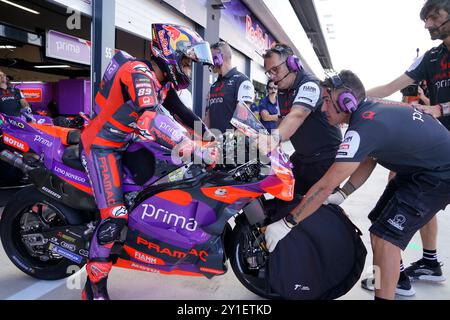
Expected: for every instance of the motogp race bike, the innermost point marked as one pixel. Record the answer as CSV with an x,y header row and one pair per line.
x,y
179,213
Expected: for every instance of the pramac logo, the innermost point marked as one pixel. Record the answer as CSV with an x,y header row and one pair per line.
x,y
15,143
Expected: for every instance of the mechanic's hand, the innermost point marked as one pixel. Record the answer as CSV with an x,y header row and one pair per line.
x,y
435,111
210,155
275,232
336,198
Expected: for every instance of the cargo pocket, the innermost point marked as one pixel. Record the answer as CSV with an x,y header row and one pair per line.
x,y
433,194
426,184
400,216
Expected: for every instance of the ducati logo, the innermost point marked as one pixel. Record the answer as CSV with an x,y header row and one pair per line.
x,y
220,192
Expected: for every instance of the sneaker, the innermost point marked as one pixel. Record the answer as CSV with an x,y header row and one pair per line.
x,y
95,291
421,270
404,287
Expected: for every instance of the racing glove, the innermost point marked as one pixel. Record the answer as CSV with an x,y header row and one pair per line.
x,y
200,154
275,232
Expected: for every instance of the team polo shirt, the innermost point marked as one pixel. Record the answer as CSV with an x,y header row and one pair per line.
x,y
316,139
10,101
433,67
224,96
399,137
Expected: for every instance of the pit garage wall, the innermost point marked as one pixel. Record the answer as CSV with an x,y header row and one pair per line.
x,y
238,25
136,16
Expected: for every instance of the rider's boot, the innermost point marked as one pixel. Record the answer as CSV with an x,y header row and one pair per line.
x,y
95,287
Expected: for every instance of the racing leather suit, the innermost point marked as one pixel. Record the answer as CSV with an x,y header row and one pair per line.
x,y
129,89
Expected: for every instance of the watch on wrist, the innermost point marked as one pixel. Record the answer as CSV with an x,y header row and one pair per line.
x,y
445,109
290,220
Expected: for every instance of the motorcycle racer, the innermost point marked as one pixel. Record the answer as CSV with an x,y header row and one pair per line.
x,y
130,92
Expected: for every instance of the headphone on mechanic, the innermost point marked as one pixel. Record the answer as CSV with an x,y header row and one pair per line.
x,y
293,63
217,56
347,101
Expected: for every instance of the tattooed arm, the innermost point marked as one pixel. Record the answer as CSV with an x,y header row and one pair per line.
x,y
318,193
338,172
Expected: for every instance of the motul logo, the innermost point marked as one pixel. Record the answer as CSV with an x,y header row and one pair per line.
x,y
15,143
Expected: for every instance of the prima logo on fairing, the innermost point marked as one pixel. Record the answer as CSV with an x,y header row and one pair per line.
x,y
151,212
169,129
43,141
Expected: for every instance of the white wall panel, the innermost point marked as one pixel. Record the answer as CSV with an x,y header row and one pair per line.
x,y
257,73
238,61
137,16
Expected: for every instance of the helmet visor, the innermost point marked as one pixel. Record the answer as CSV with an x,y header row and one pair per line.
x,y
200,53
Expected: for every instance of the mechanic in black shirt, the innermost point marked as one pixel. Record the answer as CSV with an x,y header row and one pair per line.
x,y
230,87
418,150
433,67
11,99
315,141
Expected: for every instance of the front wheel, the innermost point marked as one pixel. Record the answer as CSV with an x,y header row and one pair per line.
x,y
28,214
249,260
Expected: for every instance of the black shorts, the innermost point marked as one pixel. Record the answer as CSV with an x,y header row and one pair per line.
x,y
407,204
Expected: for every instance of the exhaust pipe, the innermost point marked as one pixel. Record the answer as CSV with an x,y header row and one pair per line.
x,y
15,160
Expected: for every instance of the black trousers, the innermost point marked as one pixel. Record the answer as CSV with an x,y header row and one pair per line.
x,y
307,174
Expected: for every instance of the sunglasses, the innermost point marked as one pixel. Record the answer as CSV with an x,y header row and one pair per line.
x,y
273,88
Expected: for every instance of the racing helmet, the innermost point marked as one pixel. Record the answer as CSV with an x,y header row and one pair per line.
x,y
170,43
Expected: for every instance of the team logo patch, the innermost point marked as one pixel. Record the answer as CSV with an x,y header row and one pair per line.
x,y
146,101
15,143
349,146
308,93
398,222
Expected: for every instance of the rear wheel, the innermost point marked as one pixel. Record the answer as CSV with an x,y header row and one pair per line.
x,y
249,259
27,215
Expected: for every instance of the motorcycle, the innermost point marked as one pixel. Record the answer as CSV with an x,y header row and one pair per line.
x,y
179,214
11,178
